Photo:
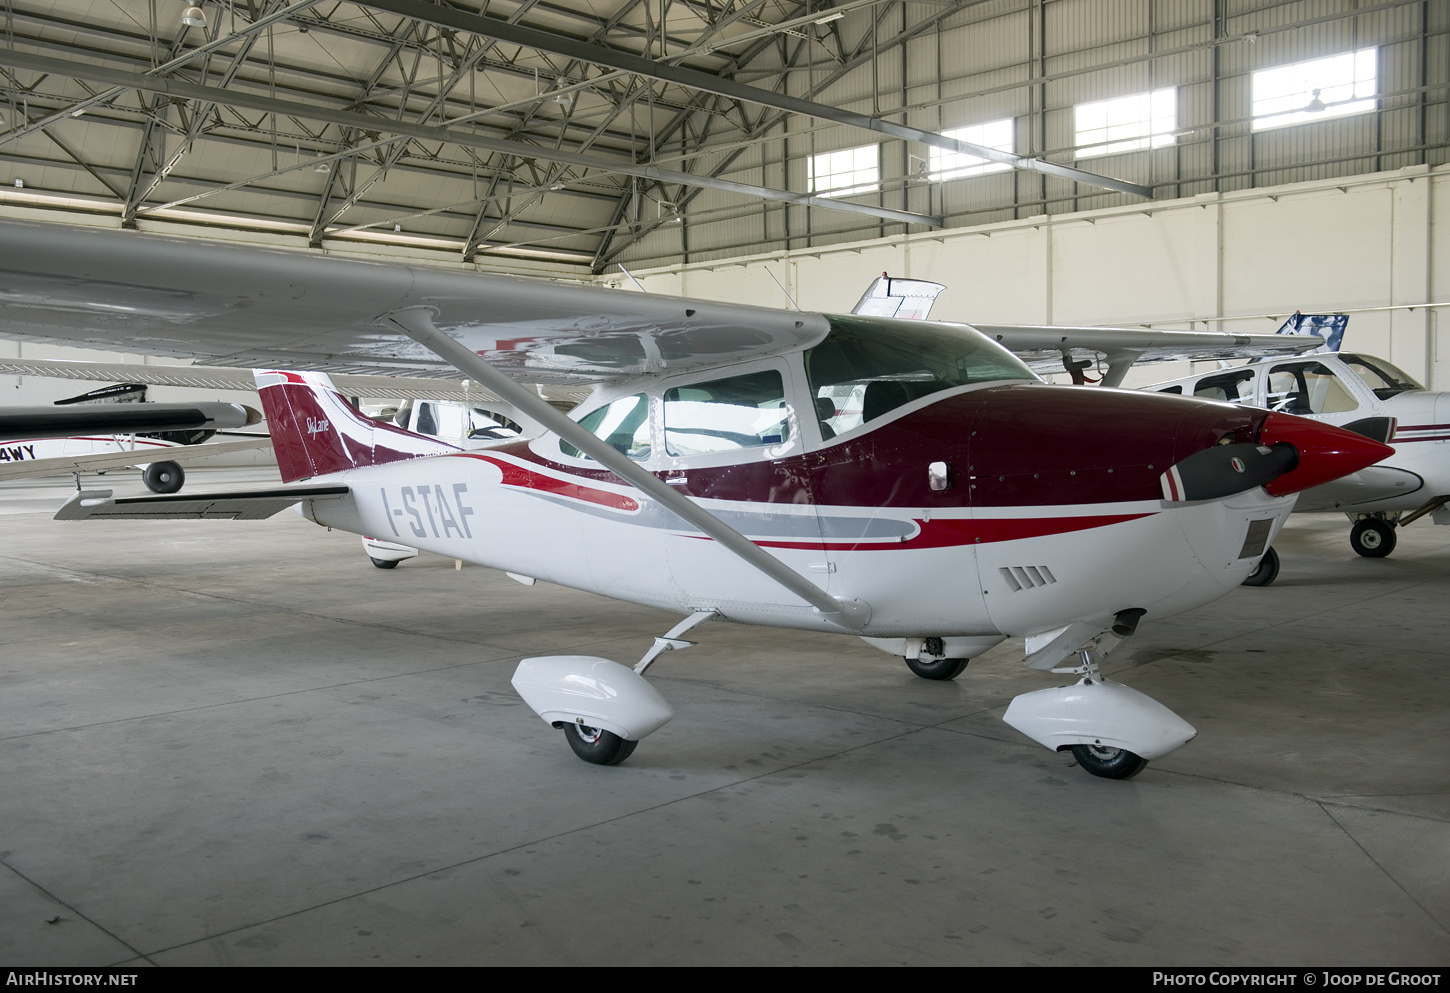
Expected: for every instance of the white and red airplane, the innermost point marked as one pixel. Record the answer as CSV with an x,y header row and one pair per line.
x,y
712,472
1361,393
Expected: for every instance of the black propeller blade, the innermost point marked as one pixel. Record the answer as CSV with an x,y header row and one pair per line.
x,y
1227,469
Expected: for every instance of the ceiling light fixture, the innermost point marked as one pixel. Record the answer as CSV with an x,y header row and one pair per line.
x,y
1316,105
193,17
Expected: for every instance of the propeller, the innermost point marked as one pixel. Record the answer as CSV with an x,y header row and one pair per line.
x,y
1227,469
1292,454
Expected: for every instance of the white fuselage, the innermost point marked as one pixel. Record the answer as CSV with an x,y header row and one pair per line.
x,y
1338,394
924,572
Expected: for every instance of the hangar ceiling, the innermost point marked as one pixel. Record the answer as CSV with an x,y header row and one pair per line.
x,y
590,133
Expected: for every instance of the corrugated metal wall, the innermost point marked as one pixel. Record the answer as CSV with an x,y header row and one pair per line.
x,y
1034,61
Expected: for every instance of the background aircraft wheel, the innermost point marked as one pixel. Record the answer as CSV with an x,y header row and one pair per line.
x,y
598,745
1265,572
1110,763
937,668
1372,538
163,477
384,563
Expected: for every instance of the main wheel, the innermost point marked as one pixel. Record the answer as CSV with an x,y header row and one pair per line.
x,y
1265,572
384,563
937,668
1372,538
163,477
598,745
1110,763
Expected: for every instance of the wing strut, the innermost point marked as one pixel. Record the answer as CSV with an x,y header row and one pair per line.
x,y
417,323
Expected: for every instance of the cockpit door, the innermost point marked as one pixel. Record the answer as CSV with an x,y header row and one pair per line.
x,y
1312,389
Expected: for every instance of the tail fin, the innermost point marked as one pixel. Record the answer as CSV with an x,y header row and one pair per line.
x,y
315,431
908,299
1330,327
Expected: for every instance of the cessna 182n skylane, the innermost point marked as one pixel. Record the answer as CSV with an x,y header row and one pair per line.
x,y
710,473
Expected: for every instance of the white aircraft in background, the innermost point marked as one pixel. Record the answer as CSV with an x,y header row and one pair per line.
x,y
1363,394
711,474
113,428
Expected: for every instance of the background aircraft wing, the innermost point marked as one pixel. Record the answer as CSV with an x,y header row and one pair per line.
x,y
224,378
254,505
1044,347
121,418
237,305
65,465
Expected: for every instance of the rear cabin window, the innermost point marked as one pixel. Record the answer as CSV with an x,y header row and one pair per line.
x,y
726,415
623,424
867,368
1235,387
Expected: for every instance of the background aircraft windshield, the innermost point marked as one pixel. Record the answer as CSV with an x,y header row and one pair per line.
x,y
1386,380
865,368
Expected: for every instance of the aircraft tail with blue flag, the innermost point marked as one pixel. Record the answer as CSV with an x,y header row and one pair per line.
x,y
1330,327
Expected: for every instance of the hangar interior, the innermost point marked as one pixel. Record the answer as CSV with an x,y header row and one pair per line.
x,y
233,743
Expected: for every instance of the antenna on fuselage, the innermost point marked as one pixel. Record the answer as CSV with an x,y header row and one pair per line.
x,y
793,304
637,284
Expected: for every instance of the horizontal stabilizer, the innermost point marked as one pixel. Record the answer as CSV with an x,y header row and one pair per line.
x,y
252,505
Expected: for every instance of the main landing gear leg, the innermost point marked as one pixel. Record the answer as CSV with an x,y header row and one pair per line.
x,y
603,708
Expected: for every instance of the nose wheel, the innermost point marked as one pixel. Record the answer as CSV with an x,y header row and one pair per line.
x,y
597,745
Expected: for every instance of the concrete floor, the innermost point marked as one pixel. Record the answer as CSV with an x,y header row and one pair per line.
x,y
238,743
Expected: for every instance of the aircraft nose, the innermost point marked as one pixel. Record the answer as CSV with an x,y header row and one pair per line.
x,y
1324,451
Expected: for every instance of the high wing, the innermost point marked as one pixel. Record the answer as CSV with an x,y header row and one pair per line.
x,y
254,307
31,468
1049,349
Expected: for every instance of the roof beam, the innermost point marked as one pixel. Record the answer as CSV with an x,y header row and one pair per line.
x,y
547,41
122,80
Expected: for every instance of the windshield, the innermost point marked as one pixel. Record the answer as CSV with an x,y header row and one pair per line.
x,y
867,367
1381,377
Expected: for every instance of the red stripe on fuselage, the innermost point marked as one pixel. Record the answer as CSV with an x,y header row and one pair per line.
x,y
516,475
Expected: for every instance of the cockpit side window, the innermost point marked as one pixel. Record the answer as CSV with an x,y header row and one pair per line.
x,y
866,368
1231,386
724,415
623,424
1308,388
